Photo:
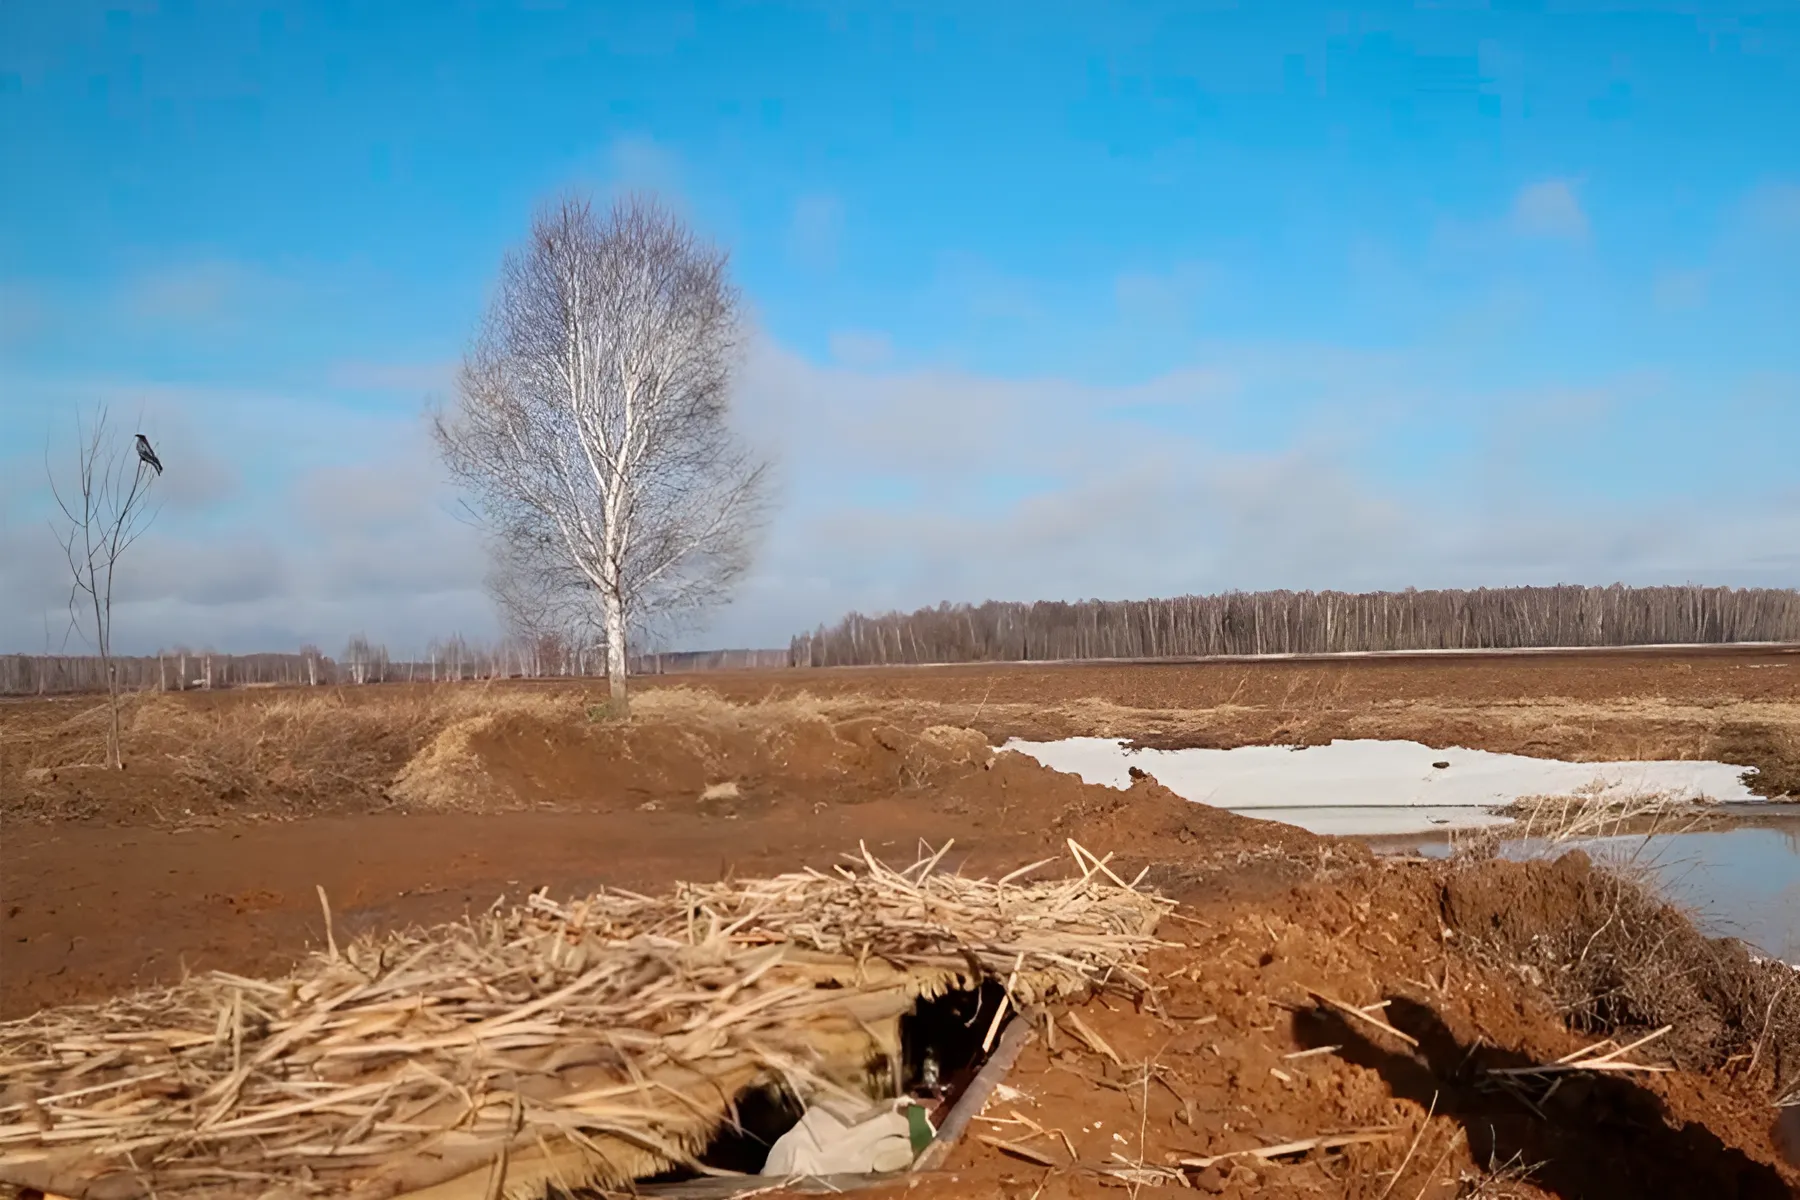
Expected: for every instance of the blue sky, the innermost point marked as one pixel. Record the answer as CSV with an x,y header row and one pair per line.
x,y
1050,300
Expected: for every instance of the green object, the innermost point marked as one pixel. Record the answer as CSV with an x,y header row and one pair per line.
x,y
919,1128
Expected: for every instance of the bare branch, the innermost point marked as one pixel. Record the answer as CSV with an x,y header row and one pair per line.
x,y
104,510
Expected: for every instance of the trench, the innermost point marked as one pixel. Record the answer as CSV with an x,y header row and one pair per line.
x,y
941,1052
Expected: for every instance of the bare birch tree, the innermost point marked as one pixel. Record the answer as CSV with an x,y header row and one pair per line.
x,y
105,508
590,426
366,661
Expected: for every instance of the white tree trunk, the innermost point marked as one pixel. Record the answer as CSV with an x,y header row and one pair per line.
x,y
114,751
615,647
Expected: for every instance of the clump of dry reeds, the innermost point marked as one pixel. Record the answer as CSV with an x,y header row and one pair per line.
x,y
1598,811
580,1043
1615,956
300,744
1509,1180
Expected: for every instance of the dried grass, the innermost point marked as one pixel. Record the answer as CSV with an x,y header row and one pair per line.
x,y
577,1044
1510,1180
446,772
698,708
1609,946
308,744
78,738
304,748
1616,957
1598,811
304,745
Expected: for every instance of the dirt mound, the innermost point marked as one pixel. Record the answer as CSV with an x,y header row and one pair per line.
x,y
216,756
455,797
655,761
306,752
678,752
1615,956
1248,1046
448,771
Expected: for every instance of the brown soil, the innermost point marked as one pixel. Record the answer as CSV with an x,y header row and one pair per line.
x,y
299,752
1716,673
417,804
520,796
1211,1073
1731,704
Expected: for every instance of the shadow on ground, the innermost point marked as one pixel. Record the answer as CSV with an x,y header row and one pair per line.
x,y
1599,1138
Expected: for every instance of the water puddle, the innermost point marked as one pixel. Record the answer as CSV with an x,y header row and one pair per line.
x,y
1742,883
1362,787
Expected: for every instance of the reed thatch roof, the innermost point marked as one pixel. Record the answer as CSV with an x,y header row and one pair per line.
x,y
591,1042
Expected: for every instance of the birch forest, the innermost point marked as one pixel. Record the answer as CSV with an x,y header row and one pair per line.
x,y
1253,623
361,662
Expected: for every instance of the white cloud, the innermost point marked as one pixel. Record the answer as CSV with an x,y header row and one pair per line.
x,y
233,568
859,348
939,423
342,526
416,378
905,487
1549,209
34,589
1117,507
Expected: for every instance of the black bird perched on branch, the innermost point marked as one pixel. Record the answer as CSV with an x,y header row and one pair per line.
x,y
147,454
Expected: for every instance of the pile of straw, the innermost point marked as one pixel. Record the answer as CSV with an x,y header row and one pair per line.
x,y
581,1044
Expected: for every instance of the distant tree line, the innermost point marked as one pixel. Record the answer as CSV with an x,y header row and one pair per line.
x,y
680,661
1234,623
362,662
55,674
1253,623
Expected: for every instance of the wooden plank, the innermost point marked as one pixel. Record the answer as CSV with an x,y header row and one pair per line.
x,y
975,1096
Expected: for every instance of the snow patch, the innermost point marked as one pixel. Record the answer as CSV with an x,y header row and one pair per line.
x,y
1367,786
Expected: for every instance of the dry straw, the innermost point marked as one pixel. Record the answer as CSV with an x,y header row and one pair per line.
x,y
579,1044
